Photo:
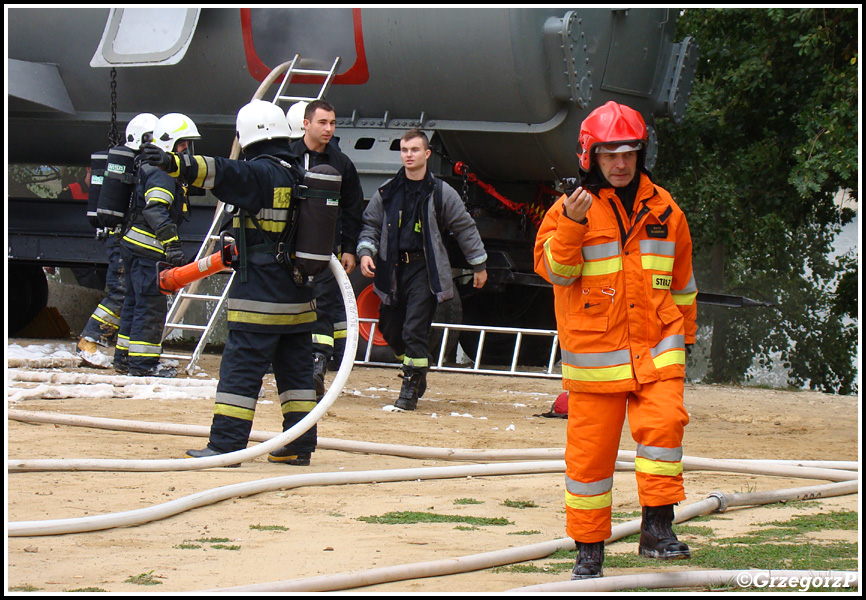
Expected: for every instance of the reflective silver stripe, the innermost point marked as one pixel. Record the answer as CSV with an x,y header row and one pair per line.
x,y
659,453
273,214
295,395
322,257
210,163
236,400
556,279
691,287
273,308
601,251
113,213
157,194
106,316
670,342
596,359
144,349
658,247
321,176
593,488
142,238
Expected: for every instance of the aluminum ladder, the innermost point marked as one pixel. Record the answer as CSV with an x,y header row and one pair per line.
x,y
189,294
552,371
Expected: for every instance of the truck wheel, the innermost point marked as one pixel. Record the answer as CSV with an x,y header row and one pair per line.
x,y
29,297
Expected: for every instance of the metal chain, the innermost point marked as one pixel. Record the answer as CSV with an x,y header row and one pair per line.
x,y
113,135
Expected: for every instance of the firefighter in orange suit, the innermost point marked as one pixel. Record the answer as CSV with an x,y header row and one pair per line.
x,y
619,255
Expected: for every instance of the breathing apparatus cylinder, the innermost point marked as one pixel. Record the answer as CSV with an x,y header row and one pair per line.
x,y
98,161
117,186
318,201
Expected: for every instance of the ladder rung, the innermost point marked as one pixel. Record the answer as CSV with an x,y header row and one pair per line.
x,y
183,296
185,326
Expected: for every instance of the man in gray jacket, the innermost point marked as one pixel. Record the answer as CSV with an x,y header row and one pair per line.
x,y
402,247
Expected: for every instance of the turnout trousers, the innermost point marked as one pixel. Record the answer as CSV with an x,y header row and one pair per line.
x,y
246,359
405,325
105,321
656,417
142,319
329,331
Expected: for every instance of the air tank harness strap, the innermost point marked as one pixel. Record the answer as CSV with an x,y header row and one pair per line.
x,y
243,250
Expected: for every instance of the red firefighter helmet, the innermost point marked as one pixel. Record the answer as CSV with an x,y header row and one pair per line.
x,y
610,124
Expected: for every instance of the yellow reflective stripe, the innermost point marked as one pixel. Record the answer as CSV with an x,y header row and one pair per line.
x,y
602,267
237,412
657,263
282,197
602,374
588,502
340,334
684,299
672,357
655,467
324,340
415,362
297,406
240,316
204,176
569,272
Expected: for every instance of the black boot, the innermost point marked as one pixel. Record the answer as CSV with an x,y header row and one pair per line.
x,y
657,537
589,561
412,379
320,368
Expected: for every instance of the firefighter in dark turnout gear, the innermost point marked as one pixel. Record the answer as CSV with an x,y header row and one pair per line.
x,y
151,237
317,147
102,327
270,318
402,246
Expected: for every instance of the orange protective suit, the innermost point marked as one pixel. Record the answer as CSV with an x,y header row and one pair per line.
x,y
625,300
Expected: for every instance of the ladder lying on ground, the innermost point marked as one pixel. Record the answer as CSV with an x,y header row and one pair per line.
x,y
189,294
552,371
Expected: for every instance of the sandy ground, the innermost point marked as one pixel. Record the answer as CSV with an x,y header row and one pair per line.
x,y
319,531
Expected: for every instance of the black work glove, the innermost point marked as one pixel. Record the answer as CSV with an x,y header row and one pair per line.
x,y
174,254
156,156
167,235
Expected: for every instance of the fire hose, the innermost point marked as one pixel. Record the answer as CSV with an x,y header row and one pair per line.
x,y
170,278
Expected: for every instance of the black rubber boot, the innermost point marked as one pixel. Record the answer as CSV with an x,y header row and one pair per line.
x,y
287,456
206,453
412,381
320,368
589,561
657,537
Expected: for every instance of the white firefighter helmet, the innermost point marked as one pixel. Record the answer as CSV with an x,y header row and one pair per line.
x,y
172,128
260,120
140,130
295,117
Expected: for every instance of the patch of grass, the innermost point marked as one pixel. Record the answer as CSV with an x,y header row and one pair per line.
x,y
775,545
269,527
91,589
519,504
24,588
465,528
224,547
468,501
625,516
532,532
143,579
211,540
411,518
187,546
